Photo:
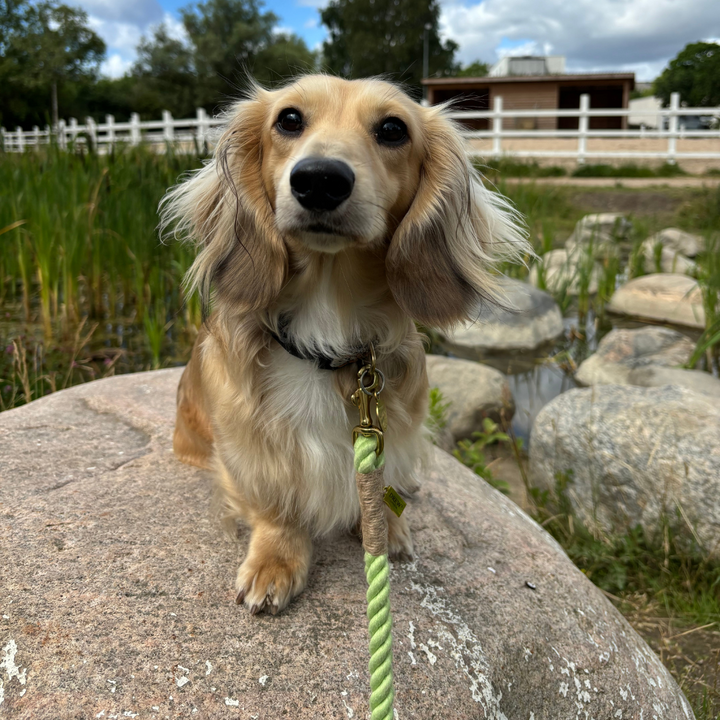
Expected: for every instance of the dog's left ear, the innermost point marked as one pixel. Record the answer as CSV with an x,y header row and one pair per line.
x,y
441,257
224,210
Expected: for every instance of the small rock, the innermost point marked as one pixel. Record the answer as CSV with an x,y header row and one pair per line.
x,y
603,230
637,455
667,261
562,272
622,351
474,392
665,297
679,241
536,321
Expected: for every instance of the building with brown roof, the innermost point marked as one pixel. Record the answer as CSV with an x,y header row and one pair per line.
x,y
534,84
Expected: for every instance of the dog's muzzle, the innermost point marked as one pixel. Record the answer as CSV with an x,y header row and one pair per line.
x,y
321,184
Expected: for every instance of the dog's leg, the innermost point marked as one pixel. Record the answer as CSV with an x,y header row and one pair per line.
x,y
192,439
276,567
400,544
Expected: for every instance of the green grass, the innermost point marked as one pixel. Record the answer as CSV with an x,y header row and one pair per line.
x,y
629,170
78,241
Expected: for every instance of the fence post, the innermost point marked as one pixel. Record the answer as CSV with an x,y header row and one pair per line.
x,y
110,123
673,126
135,129
73,130
497,126
3,140
92,132
168,129
21,139
61,138
583,125
36,137
201,128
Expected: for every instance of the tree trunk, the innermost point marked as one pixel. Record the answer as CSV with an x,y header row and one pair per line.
x,y
55,119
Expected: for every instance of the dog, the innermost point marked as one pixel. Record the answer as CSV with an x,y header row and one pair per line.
x,y
334,214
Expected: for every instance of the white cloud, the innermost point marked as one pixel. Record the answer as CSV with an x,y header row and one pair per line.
x,y
115,66
135,12
633,35
311,23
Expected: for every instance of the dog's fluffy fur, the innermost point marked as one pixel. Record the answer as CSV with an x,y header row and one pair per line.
x,y
416,240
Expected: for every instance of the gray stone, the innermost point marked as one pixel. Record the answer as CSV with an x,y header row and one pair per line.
x,y
679,241
637,456
474,392
602,230
665,297
623,351
535,321
669,260
117,596
562,271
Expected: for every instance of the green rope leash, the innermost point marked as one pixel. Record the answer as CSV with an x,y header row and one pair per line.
x,y
382,692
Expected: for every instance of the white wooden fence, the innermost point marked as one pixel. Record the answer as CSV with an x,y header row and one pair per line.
x,y
197,132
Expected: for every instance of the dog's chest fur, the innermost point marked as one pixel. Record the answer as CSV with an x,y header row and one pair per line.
x,y
289,449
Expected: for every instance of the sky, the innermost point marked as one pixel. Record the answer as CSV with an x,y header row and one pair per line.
x,y
637,36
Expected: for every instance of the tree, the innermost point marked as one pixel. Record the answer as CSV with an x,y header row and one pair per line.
x,y
474,69
695,74
164,76
385,37
232,37
50,44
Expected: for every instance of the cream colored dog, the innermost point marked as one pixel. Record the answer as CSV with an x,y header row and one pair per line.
x,y
333,214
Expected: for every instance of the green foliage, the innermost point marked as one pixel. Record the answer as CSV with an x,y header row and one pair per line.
x,y
474,69
510,167
385,37
44,47
77,241
675,571
437,412
470,453
695,74
629,170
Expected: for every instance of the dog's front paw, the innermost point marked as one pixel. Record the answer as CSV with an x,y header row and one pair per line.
x,y
400,544
266,581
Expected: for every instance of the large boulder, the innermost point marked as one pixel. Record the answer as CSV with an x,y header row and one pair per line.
x,y
117,593
665,297
637,456
535,320
623,351
563,270
474,392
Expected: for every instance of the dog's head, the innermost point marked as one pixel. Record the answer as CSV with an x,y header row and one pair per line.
x,y
324,165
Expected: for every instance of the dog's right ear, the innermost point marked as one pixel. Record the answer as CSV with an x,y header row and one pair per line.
x,y
223,208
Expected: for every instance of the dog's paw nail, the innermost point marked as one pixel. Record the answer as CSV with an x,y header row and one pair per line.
x,y
255,609
240,597
274,609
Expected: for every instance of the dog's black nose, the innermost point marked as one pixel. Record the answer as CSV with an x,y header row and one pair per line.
x,y
321,184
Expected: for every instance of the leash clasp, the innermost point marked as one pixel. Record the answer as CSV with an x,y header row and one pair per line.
x,y
362,399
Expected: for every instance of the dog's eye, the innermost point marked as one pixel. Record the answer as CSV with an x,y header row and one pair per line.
x,y
392,131
290,122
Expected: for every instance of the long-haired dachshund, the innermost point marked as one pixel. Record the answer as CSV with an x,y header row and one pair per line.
x,y
333,214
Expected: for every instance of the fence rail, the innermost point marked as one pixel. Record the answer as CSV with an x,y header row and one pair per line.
x,y
198,132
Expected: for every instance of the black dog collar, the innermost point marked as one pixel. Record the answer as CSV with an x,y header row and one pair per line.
x,y
323,362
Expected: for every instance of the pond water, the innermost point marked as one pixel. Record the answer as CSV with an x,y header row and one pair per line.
x,y
535,378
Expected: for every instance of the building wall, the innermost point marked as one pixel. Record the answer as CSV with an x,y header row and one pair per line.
x,y
527,96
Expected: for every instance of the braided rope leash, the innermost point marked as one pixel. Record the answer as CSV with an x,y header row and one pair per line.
x,y
369,478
